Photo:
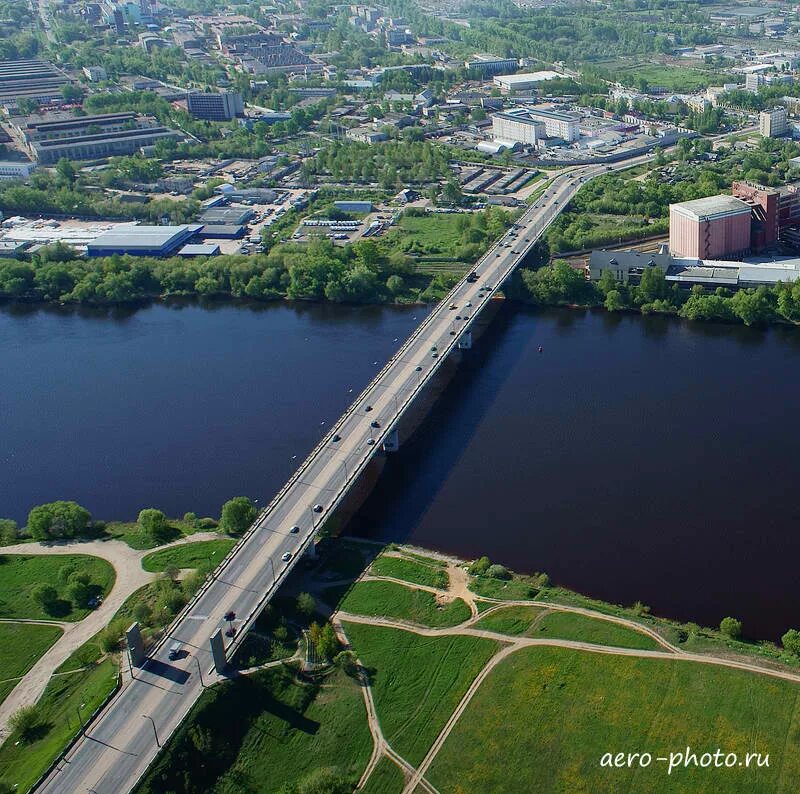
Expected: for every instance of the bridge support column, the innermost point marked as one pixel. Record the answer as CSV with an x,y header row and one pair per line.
x,y
465,343
311,551
218,651
133,638
392,442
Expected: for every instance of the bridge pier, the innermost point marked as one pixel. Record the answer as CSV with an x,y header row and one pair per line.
x,y
465,343
392,442
218,651
133,639
311,551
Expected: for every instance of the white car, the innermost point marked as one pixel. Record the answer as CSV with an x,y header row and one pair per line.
x,y
286,556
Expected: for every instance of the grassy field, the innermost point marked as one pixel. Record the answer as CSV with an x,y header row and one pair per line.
x,y
511,620
131,533
435,232
22,764
411,571
20,575
387,599
417,681
386,778
571,626
546,716
283,731
203,553
508,590
673,78
21,646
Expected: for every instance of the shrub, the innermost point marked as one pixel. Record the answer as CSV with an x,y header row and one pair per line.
x,y
45,595
791,641
306,605
8,532
110,637
58,520
731,627
154,523
27,722
498,572
237,514
79,589
480,566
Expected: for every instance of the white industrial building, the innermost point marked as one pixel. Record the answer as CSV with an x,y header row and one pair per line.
x,y
529,125
522,82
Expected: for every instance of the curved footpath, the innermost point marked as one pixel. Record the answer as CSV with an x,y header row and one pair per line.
x,y
130,576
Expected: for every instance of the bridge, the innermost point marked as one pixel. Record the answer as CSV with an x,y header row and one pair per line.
x,y
120,744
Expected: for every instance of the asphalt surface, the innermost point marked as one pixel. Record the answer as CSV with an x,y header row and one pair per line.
x,y
121,742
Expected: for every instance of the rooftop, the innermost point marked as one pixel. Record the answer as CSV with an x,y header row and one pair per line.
x,y
711,207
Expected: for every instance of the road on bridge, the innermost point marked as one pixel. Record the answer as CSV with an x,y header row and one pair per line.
x,y
123,740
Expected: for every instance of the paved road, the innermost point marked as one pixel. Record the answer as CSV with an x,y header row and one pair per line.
x,y
121,743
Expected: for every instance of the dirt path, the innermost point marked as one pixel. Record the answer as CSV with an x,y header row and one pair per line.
x,y
130,576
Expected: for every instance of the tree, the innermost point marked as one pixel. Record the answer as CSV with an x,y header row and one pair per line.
x,y
154,523
66,171
58,520
237,514
731,627
791,641
480,566
306,605
498,572
27,722
79,589
8,531
328,644
346,661
613,301
46,596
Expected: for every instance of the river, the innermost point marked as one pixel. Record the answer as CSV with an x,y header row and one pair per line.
x,y
633,458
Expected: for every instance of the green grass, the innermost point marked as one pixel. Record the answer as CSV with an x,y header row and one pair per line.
x,y
434,231
411,571
673,78
386,778
283,731
202,554
546,716
22,764
21,646
506,589
391,600
571,626
510,620
131,533
417,681
20,575
422,558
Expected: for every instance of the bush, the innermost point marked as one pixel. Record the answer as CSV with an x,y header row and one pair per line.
x,y
46,596
27,722
237,514
498,572
154,523
346,661
8,532
79,589
58,520
325,781
480,566
110,638
791,641
731,627
306,605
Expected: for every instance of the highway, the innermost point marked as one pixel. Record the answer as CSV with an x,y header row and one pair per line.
x,y
121,742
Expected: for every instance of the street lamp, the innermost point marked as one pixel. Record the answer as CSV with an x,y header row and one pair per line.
x,y
155,732
199,672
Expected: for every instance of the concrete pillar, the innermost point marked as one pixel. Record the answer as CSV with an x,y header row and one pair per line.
x,y
465,343
218,651
311,551
133,638
392,442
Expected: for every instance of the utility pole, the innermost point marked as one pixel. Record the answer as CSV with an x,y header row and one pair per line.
x,y
155,732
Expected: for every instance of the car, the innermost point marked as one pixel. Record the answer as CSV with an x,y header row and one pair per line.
x,y
434,354
468,304
336,437
452,333
375,423
458,317
286,556
453,306
418,369
317,508
434,348
294,530
555,201
371,442
175,651
466,317
367,408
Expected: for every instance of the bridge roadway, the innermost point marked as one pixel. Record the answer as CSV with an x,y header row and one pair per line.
x,y
119,745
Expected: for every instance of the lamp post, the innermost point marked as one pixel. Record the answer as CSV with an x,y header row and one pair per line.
x,y
199,672
155,732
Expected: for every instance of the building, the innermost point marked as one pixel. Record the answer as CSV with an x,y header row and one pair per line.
x,y
773,123
95,74
490,64
753,81
353,206
366,134
523,82
222,106
33,79
199,249
142,240
717,227
764,203
91,137
13,170
556,124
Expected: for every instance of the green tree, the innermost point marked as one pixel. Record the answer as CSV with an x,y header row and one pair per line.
x,y
46,596
154,524
613,301
66,171
480,566
79,589
237,514
791,641
8,531
497,571
328,643
58,520
27,722
325,781
306,605
731,627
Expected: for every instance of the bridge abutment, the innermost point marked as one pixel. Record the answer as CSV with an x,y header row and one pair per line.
x,y
392,442
465,343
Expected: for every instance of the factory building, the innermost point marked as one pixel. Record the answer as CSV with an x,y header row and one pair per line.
x,y
764,203
11,169
32,79
222,106
717,227
522,82
490,64
142,240
529,125
773,123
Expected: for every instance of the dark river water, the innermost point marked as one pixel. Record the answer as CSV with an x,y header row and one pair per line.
x,y
634,458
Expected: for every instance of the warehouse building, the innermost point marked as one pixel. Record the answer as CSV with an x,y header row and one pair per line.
x,y
490,64
528,121
143,240
32,79
513,127
10,169
523,82
717,227
221,106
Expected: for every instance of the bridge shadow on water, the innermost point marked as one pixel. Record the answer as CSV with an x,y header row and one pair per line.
x,y
438,443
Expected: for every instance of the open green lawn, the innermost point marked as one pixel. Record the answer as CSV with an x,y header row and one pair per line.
x,y
386,778
417,681
22,764
202,554
131,533
283,730
411,571
20,575
510,620
544,717
515,589
571,626
673,78
21,646
391,600
436,232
